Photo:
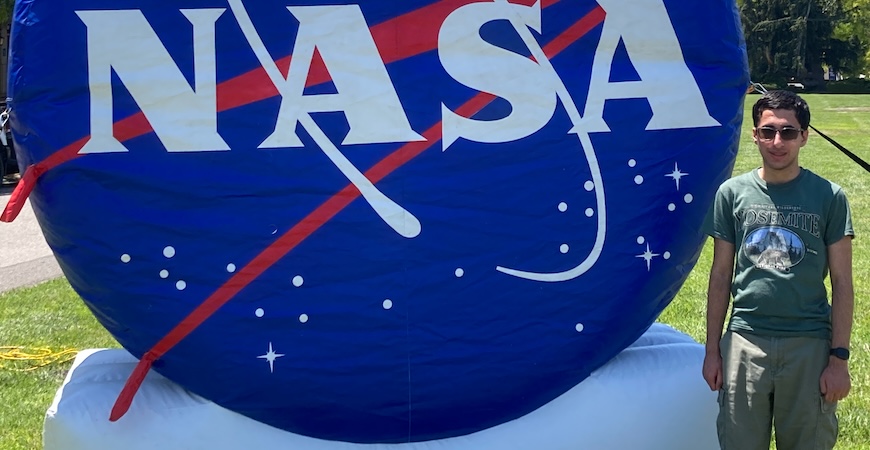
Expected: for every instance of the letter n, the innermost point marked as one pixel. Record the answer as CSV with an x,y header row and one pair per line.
x,y
183,118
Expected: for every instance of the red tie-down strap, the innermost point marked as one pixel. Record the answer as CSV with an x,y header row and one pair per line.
x,y
21,192
32,174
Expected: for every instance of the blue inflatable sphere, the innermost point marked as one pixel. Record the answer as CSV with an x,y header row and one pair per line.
x,y
377,221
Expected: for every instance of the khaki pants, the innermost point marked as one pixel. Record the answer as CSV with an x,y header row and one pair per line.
x,y
774,381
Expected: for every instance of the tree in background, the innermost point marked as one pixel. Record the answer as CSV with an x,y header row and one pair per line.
x,y
788,39
856,30
6,12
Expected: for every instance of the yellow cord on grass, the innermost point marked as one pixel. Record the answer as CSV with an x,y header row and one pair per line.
x,y
23,359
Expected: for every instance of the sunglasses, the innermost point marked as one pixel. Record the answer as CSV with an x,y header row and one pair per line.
x,y
786,134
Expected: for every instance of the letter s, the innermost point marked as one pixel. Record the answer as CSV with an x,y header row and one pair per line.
x,y
519,80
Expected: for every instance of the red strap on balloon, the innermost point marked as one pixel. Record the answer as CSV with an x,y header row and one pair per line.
x,y
131,386
32,174
314,221
21,192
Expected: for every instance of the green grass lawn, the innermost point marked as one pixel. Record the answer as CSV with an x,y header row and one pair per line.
x,y
46,317
52,316
846,119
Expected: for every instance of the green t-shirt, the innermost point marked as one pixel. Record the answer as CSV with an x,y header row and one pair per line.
x,y
780,233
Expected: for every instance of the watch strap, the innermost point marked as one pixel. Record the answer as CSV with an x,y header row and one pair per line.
x,y
840,352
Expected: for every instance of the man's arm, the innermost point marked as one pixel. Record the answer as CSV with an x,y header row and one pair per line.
x,y
718,297
835,382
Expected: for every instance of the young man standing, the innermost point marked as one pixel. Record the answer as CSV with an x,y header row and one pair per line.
x,y
778,231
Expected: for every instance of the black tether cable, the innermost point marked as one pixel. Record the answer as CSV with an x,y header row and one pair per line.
x,y
854,157
762,90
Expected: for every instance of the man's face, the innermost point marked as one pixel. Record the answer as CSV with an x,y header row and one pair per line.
x,y
778,153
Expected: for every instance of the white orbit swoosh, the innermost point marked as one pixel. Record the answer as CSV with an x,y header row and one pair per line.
x,y
591,158
398,218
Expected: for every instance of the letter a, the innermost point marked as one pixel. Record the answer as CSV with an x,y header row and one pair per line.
x,y
654,50
365,93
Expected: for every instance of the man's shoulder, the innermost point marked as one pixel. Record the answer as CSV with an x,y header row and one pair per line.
x,y
738,182
818,183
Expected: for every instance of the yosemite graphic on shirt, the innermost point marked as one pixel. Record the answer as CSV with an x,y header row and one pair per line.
x,y
774,244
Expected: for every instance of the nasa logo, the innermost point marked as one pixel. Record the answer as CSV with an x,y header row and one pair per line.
x,y
532,175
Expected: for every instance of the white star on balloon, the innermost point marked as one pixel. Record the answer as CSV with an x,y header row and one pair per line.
x,y
676,175
271,356
648,256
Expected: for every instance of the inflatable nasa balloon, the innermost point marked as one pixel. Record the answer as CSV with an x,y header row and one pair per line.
x,y
374,221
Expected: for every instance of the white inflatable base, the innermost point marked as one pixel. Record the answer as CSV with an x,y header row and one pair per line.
x,y
651,396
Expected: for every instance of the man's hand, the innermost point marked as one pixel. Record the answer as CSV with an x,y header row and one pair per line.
x,y
712,370
835,382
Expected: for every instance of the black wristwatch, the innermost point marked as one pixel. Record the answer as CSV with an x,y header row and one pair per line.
x,y
840,352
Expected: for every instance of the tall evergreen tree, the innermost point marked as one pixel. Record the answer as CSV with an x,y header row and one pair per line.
x,y
795,39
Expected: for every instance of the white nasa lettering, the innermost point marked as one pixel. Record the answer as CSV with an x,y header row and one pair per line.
x,y
472,61
184,119
366,94
654,50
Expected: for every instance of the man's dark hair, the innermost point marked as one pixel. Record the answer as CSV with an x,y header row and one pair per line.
x,y
782,100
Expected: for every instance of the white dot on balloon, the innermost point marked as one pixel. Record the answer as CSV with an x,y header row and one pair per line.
x,y
388,304
638,179
590,212
688,198
459,272
672,207
164,274
589,186
125,258
169,251
231,267
259,312
297,281
632,163
563,207
564,248
667,255
303,318
180,285
640,240
579,327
